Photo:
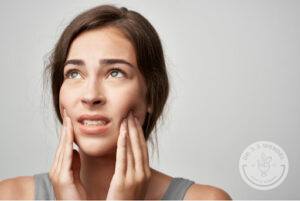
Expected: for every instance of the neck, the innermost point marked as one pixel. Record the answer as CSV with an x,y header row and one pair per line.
x,y
96,174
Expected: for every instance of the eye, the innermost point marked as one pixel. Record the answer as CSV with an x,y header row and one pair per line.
x,y
114,72
71,72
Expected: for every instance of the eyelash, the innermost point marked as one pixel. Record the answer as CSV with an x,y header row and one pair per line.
x,y
112,70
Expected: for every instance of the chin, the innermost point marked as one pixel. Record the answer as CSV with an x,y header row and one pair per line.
x,y
96,147
96,153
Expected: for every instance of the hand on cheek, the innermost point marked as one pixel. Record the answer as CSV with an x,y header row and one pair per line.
x,y
64,173
132,171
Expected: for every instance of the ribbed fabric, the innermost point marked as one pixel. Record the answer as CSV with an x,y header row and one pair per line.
x,y
177,188
43,187
175,191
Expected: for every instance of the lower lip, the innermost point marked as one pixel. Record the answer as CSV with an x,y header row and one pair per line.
x,y
93,130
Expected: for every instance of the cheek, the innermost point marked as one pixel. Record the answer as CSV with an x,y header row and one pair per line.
x,y
65,99
62,100
129,100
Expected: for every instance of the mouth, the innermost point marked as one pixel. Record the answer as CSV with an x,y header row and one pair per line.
x,y
94,127
93,124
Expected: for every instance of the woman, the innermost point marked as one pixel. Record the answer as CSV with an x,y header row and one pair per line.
x,y
109,87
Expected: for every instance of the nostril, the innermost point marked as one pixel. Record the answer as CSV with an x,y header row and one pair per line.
x,y
96,102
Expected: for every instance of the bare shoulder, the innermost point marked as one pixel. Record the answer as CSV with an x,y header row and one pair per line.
x,y
206,192
21,187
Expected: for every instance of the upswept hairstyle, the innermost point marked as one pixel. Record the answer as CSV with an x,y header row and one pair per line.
x,y
145,40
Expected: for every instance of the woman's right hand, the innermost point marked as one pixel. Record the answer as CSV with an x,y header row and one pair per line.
x,y
65,170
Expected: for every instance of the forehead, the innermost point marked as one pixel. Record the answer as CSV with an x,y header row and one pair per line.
x,y
106,42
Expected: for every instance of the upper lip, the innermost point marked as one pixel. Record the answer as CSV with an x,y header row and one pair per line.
x,y
93,117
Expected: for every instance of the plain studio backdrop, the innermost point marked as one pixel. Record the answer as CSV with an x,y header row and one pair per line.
x,y
235,79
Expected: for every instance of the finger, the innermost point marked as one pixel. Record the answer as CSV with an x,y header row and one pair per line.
x,y
60,146
142,142
136,146
68,155
121,156
62,152
58,150
129,154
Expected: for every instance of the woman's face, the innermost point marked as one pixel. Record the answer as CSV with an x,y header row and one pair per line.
x,y
94,87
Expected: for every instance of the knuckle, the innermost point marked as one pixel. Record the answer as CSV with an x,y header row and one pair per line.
x,y
140,178
53,178
64,180
119,184
60,180
130,183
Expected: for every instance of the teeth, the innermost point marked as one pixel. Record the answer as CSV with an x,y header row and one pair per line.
x,y
93,123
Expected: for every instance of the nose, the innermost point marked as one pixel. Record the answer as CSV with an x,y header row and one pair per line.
x,y
92,95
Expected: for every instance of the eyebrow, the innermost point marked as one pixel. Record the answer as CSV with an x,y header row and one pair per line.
x,y
80,62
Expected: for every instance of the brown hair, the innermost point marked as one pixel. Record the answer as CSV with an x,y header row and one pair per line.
x,y
149,52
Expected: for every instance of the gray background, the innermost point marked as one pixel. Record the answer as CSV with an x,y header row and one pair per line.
x,y
234,71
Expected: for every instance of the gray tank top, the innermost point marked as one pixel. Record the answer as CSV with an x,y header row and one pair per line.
x,y
175,191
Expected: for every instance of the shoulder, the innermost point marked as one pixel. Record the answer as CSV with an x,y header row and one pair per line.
x,y
21,187
160,182
206,192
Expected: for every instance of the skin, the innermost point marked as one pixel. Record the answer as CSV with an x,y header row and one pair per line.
x,y
108,166
115,93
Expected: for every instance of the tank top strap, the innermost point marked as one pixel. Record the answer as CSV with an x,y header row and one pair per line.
x,y
177,188
43,187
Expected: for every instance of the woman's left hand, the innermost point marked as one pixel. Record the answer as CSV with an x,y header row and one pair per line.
x,y
132,171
